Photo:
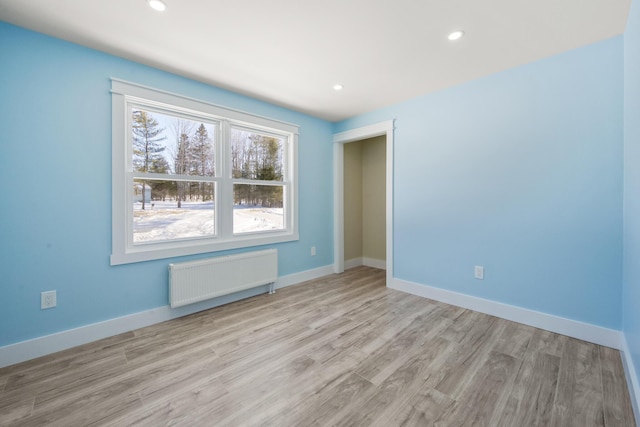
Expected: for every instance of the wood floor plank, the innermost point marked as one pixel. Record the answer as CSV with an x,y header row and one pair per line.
x,y
111,396
319,408
366,330
195,407
94,410
384,357
212,400
547,342
399,350
406,311
291,393
14,410
36,375
240,366
469,355
48,385
65,358
461,327
617,404
160,380
381,404
425,408
247,359
343,350
579,400
485,396
531,401
514,340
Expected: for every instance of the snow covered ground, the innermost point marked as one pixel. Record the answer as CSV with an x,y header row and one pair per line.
x,y
164,221
247,219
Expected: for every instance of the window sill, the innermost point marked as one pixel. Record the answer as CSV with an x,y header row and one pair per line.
x,y
170,250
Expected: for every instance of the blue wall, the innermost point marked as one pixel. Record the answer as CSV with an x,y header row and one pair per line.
x,y
631,287
520,172
55,185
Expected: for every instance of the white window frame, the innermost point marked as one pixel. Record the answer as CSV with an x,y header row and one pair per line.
x,y
125,94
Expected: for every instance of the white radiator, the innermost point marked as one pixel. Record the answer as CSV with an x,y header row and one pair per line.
x,y
200,280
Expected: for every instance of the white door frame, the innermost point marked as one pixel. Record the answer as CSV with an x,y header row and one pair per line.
x,y
339,139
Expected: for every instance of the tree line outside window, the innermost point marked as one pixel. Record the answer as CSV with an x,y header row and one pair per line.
x,y
176,146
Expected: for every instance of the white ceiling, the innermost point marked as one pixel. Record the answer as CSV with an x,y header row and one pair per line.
x,y
291,52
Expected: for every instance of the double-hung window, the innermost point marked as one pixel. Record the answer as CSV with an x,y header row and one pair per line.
x,y
192,177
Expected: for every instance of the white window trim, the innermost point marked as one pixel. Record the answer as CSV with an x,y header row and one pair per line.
x,y
123,251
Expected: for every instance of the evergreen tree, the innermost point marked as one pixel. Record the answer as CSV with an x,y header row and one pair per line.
x,y
269,168
147,148
202,157
160,189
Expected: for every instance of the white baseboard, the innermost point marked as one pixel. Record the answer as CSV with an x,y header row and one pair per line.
x,y
375,263
573,328
30,349
632,378
369,262
303,276
351,263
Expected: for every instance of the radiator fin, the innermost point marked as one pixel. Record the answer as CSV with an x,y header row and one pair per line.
x,y
195,281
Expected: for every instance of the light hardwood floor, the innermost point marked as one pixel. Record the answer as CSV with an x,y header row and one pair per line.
x,y
342,350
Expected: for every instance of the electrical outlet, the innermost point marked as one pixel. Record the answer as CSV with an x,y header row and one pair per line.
x,y
478,272
313,251
48,299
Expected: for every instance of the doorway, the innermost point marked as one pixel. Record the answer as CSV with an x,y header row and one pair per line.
x,y
384,129
364,203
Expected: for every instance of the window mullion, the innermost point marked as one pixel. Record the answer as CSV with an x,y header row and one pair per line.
x,y
225,204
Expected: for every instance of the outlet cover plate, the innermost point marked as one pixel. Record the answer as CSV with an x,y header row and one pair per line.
x,y
48,299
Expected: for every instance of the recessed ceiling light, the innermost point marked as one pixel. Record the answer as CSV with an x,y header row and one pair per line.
x,y
455,35
338,87
157,5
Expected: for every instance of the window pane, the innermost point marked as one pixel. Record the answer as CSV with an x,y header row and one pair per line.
x,y
169,210
256,156
257,208
172,145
